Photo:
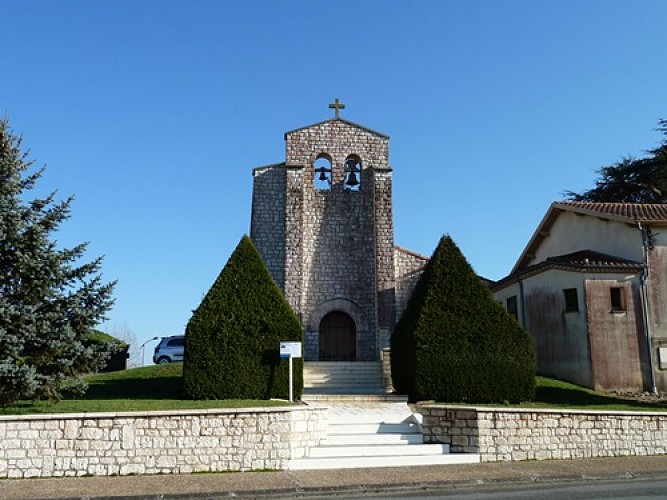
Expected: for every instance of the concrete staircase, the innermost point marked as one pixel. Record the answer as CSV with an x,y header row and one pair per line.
x,y
342,377
369,432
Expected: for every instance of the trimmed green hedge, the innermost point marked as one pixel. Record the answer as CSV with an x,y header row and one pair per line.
x,y
117,349
455,343
232,341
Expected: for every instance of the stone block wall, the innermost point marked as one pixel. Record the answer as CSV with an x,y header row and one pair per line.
x,y
267,226
338,231
326,245
509,434
294,240
170,442
384,256
408,268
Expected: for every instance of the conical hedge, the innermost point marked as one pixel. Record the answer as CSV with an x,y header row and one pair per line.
x,y
232,341
455,343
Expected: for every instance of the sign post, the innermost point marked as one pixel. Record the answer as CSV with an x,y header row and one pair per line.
x,y
290,350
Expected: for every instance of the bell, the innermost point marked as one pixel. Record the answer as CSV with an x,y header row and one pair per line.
x,y
323,173
352,179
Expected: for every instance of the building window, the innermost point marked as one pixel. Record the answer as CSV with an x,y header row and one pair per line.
x,y
571,300
617,299
511,307
322,179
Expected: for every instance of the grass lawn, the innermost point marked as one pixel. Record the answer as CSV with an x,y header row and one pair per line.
x,y
551,393
160,387
156,387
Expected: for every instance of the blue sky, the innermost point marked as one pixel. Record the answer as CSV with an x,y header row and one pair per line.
x,y
154,113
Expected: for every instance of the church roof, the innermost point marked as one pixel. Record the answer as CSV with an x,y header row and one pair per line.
x,y
410,252
581,261
342,120
629,213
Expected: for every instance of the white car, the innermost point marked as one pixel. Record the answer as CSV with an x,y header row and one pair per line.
x,y
169,349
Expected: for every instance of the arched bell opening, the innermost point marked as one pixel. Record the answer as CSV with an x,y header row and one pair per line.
x,y
323,172
338,337
352,173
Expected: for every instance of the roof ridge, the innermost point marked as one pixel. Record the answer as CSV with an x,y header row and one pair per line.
x,y
343,120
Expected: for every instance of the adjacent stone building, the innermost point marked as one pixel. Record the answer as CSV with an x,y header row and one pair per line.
x,y
322,221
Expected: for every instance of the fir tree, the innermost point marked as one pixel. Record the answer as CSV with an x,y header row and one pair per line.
x,y
49,301
454,343
232,341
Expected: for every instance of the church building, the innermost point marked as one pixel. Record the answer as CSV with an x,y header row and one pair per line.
x,y
322,222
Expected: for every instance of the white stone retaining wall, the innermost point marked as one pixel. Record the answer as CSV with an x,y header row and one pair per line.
x,y
170,442
508,434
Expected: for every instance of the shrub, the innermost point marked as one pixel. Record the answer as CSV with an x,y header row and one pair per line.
x,y
454,342
232,341
116,350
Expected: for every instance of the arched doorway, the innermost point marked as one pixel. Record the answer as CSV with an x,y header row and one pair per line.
x,y
338,337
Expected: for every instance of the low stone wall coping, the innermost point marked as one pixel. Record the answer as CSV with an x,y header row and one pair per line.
x,y
157,413
563,411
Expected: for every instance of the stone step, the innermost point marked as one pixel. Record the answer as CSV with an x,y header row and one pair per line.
x,y
340,374
323,377
310,392
341,381
342,428
315,367
336,398
379,450
392,461
343,370
339,364
343,388
336,377
372,439
374,433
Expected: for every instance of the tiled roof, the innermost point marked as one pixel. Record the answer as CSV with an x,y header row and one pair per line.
x,y
630,213
641,212
581,261
592,259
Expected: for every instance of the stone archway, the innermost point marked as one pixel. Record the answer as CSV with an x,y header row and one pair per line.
x,y
338,337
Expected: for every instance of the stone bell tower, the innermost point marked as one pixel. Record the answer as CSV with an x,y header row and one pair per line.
x,y
322,222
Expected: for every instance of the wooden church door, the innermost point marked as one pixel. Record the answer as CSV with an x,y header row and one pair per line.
x,y
338,337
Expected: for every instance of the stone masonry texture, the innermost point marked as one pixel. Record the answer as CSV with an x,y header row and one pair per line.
x,y
408,268
333,249
330,249
508,434
174,442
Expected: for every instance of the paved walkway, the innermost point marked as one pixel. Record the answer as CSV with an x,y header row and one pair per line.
x,y
298,483
371,412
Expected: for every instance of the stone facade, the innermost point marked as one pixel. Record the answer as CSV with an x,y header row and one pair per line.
x,y
408,268
268,213
330,249
509,434
172,442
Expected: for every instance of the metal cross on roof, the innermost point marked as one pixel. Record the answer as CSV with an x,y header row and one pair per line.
x,y
337,106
